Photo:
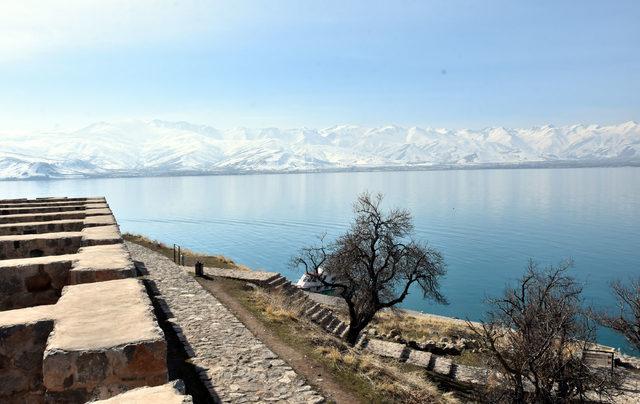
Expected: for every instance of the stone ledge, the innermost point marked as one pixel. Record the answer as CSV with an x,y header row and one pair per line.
x,y
7,203
56,226
14,210
101,339
48,244
170,393
464,374
249,276
45,217
35,281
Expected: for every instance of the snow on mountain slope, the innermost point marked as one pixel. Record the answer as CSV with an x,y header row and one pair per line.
x,y
160,147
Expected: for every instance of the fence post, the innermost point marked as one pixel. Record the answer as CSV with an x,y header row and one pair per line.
x,y
174,253
179,255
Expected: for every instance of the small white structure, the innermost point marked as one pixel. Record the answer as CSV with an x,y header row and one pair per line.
x,y
311,283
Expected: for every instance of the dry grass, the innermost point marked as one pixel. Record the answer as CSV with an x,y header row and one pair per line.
x,y
274,306
420,327
372,378
389,382
213,261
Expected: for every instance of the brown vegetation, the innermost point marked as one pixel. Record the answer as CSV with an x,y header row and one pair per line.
x,y
369,377
535,335
190,257
420,327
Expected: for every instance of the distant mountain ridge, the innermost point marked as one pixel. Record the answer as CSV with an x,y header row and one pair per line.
x,y
141,148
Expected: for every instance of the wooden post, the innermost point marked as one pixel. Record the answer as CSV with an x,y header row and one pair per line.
x,y
179,255
174,252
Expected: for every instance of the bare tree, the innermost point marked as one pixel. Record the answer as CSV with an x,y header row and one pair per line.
x,y
627,320
374,265
535,335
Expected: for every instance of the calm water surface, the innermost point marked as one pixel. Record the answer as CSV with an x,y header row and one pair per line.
x,y
488,223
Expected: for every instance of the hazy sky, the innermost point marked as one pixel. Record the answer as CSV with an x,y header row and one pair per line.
x,y
319,63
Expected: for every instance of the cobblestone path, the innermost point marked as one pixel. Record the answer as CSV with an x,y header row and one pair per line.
x,y
235,365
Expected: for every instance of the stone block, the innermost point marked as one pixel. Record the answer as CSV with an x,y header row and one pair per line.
x,y
419,358
169,393
38,245
100,235
33,281
385,348
105,341
442,366
23,337
54,226
101,263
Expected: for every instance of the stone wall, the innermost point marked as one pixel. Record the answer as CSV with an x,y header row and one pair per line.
x,y
39,245
74,324
21,354
34,283
41,227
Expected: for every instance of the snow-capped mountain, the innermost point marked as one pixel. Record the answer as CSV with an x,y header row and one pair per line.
x,y
159,147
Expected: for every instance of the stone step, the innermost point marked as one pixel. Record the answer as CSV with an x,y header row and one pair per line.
x,y
306,304
313,310
340,328
289,290
316,318
49,209
52,273
267,281
332,325
343,333
47,217
277,281
283,286
298,300
8,203
327,319
55,226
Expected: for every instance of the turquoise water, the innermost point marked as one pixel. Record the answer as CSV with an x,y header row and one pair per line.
x,y
487,223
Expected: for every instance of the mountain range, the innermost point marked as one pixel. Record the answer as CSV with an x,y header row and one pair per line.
x,y
146,148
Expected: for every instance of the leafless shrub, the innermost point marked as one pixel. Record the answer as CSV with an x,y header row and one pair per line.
x,y
535,335
627,319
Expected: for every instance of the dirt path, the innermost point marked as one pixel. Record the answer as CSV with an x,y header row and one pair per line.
x,y
316,374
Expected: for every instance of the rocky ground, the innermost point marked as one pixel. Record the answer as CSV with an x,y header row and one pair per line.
x,y
235,364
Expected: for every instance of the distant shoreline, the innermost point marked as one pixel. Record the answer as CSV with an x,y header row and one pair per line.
x,y
440,167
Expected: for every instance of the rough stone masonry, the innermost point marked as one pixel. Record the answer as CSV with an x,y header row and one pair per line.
x,y
235,365
75,325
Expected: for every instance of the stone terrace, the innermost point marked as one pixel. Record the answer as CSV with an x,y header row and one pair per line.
x,y
74,323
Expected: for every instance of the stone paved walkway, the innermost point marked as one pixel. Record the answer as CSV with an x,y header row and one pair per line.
x,y
236,366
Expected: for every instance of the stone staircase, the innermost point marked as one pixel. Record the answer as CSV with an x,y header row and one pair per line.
x,y
316,312
274,281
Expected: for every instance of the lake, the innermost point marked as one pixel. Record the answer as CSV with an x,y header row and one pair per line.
x,y
487,223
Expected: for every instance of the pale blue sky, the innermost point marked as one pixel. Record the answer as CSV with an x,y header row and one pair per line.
x,y
319,63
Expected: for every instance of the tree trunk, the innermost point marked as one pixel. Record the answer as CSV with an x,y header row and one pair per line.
x,y
357,323
354,332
